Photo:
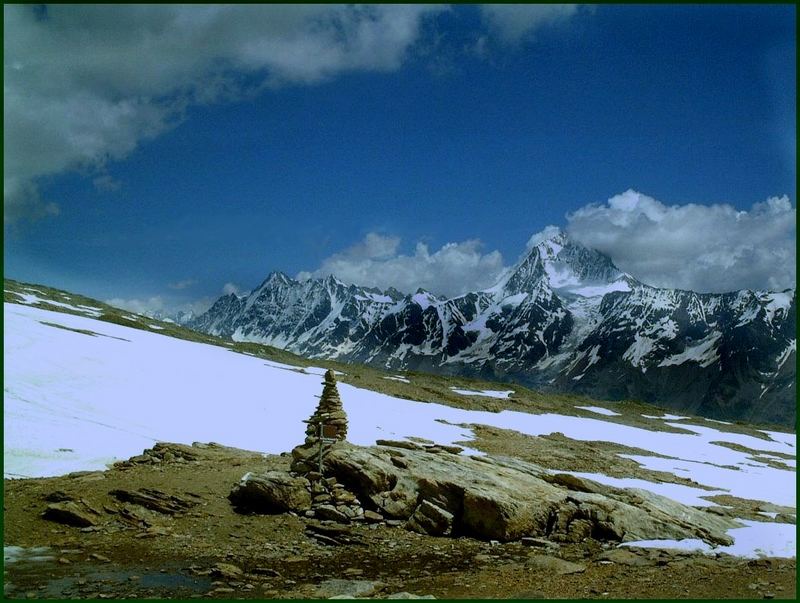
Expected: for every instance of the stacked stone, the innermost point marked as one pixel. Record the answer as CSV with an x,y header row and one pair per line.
x,y
331,501
329,412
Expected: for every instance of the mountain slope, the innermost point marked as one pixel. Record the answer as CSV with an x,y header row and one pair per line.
x,y
563,318
81,392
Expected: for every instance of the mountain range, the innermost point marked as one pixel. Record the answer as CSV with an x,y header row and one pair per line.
x,y
564,318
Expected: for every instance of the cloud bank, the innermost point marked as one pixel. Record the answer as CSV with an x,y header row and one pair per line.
x,y
512,23
704,248
184,284
453,269
232,288
84,85
157,304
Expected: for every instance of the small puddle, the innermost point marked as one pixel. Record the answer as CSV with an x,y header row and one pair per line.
x,y
20,554
121,582
31,570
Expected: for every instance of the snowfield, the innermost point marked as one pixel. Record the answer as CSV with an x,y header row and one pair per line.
x,y
489,393
77,401
600,410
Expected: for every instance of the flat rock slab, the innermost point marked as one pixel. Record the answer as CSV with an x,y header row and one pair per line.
x,y
340,588
555,565
72,514
155,500
625,557
227,570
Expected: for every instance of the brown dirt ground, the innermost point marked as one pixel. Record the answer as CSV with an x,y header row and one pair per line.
x,y
280,561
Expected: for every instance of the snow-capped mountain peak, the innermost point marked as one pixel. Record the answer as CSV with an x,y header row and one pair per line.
x,y
563,317
564,266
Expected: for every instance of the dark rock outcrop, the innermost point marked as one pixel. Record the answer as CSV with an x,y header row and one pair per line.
x,y
155,500
271,492
71,513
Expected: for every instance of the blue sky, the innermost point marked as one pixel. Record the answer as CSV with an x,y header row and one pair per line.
x,y
396,145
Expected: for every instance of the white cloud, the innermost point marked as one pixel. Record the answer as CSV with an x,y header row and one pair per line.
x,y
139,306
704,248
106,183
547,232
86,84
229,288
184,284
22,201
197,306
453,269
158,303
513,22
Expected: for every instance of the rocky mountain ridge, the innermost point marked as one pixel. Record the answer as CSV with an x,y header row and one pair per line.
x,y
564,318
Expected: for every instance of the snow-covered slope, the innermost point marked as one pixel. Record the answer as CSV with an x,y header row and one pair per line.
x,y
564,317
80,393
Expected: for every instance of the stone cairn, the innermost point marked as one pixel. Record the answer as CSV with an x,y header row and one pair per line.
x,y
329,414
330,500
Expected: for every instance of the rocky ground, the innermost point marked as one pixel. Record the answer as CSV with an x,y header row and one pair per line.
x,y
163,527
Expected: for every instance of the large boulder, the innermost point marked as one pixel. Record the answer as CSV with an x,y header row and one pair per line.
x,y
271,492
500,498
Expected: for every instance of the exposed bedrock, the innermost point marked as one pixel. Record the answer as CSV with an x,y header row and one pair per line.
x,y
500,498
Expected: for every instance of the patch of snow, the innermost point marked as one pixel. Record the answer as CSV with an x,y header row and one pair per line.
x,y
769,514
423,299
89,308
721,422
791,347
640,348
156,327
375,297
593,356
778,436
683,494
776,302
756,539
702,352
486,392
28,298
768,482
599,410
600,290
667,417
560,275
398,378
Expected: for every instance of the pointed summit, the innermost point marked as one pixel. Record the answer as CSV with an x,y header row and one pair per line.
x,y
551,235
276,278
556,262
